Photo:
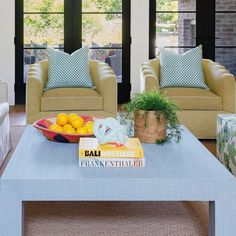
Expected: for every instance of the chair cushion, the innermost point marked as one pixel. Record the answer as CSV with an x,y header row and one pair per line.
x,y
182,70
69,99
194,98
4,109
67,71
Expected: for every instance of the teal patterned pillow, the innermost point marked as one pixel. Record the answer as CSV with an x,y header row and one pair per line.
x,y
68,71
182,70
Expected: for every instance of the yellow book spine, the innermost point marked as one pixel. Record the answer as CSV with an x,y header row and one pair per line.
x,y
111,153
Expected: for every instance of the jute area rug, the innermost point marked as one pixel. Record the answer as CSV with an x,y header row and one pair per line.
x,y
113,218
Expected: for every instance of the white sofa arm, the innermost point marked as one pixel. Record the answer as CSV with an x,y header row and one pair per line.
x,y
3,92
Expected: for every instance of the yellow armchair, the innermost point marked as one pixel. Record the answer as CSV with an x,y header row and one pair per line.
x,y
200,107
101,101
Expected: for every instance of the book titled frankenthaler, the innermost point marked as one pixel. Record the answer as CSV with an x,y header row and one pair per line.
x,y
92,154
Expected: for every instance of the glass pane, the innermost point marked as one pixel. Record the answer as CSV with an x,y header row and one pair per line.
x,y
102,30
185,5
175,50
175,5
176,29
101,5
226,29
44,29
113,57
166,5
227,57
225,5
43,5
32,56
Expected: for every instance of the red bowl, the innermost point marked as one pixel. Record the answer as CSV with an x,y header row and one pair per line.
x,y
44,124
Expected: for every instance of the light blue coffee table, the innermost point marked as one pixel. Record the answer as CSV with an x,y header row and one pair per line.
x,y
41,170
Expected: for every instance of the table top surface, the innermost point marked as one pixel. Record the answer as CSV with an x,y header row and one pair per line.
x,y
37,158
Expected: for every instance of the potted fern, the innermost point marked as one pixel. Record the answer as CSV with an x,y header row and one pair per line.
x,y
155,117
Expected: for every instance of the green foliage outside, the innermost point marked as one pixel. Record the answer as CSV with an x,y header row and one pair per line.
x,y
170,20
46,28
109,5
43,28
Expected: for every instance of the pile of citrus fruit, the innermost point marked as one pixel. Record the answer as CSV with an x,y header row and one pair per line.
x,y
72,124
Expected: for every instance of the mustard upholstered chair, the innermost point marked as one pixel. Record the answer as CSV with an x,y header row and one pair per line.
x,y
101,101
199,106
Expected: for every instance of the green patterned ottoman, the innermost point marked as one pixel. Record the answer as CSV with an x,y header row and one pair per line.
x,y
226,141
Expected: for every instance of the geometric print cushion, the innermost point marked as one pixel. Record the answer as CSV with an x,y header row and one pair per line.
x,y
68,71
182,70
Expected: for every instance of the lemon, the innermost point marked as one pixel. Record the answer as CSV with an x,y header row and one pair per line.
x,y
62,119
70,130
55,127
77,122
89,123
71,117
89,129
82,130
67,126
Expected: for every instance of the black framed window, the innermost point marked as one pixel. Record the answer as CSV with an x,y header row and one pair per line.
x,y
103,33
67,25
181,25
225,34
172,25
43,26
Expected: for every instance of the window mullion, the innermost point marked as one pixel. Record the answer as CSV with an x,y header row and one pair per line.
x,y
69,26
77,24
152,29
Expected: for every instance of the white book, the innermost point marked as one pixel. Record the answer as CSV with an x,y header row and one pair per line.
x,y
111,162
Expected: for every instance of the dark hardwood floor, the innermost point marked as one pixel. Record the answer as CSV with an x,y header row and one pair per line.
x,y
17,115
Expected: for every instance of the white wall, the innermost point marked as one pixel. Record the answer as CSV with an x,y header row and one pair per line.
x,y
7,48
140,39
139,48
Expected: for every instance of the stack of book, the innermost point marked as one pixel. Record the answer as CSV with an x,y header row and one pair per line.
x,y
93,154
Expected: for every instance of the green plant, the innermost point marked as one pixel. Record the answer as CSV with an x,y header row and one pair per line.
x,y
163,107
169,6
109,6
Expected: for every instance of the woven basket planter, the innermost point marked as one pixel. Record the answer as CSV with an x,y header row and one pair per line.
x,y
148,128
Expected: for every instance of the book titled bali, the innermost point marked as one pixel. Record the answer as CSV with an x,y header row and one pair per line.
x,y
93,154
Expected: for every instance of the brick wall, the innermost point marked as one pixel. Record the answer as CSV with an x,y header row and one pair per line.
x,y
225,30
187,23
